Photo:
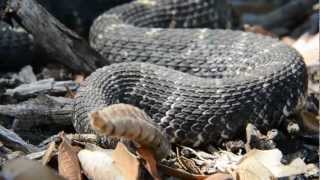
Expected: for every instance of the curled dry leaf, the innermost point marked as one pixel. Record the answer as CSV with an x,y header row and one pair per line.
x,y
99,165
23,169
126,162
69,166
265,164
49,153
215,162
187,164
151,163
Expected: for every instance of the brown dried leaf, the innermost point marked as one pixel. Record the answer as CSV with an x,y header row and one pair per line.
x,y
151,163
49,153
126,162
24,169
98,165
265,164
220,176
187,164
179,173
69,166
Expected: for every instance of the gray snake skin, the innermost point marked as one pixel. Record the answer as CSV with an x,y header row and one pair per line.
x,y
200,86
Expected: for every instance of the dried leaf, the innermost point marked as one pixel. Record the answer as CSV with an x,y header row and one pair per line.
x,y
49,153
23,169
151,163
98,165
179,173
69,166
310,121
187,164
126,162
312,170
259,164
308,46
220,176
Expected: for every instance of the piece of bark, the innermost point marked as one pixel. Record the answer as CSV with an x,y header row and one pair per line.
x,y
42,110
12,140
55,71
46,86
56,39
85,138
36,155
24,76
8,80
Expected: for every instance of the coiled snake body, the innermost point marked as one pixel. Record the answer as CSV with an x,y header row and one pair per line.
x,y
200,86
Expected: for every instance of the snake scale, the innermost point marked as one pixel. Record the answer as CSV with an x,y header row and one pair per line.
x,y
200,86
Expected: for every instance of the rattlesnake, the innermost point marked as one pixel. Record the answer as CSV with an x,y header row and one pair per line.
x,y
200,86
